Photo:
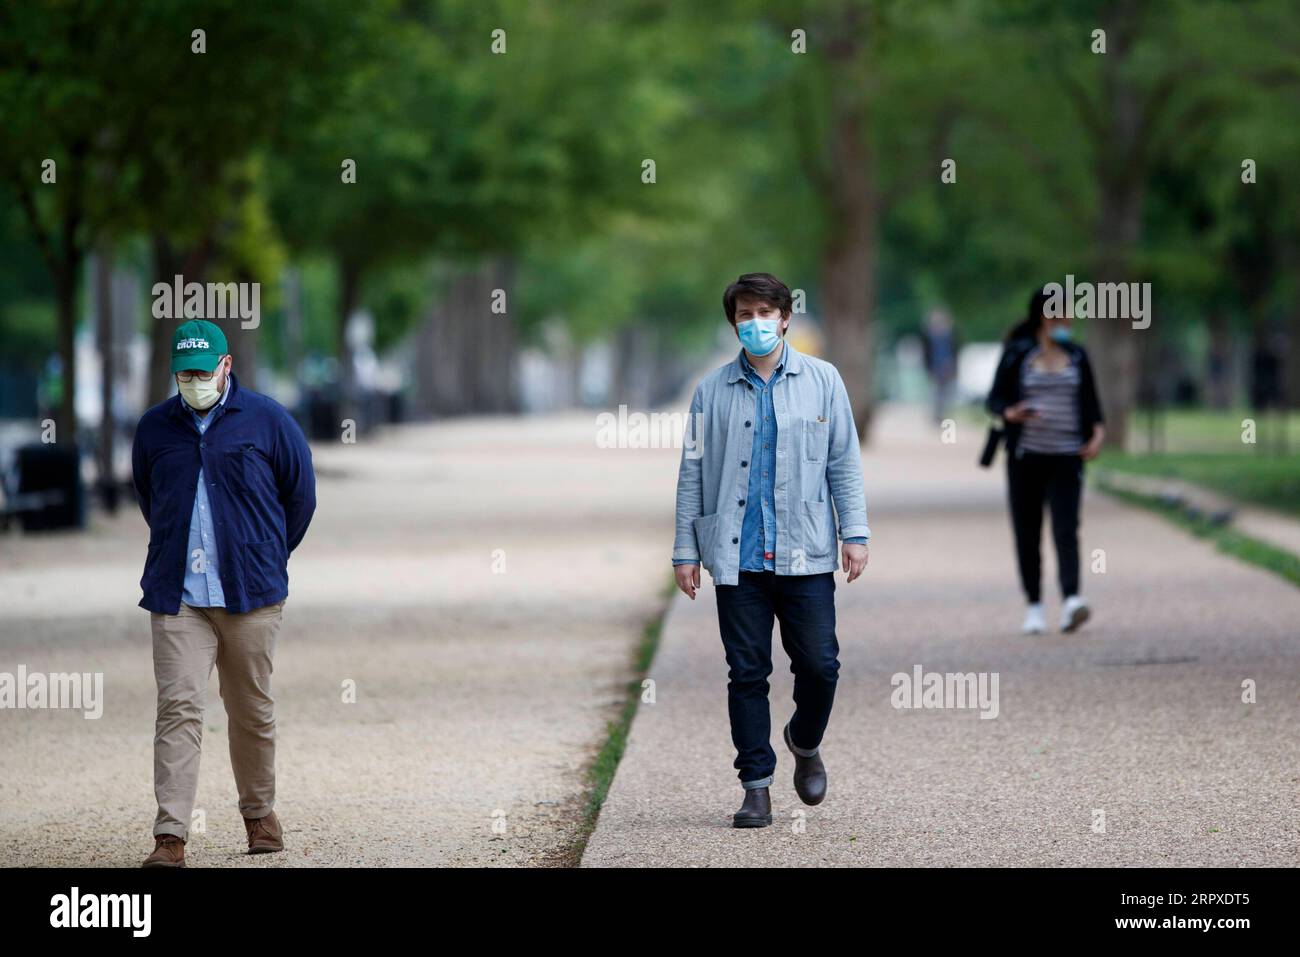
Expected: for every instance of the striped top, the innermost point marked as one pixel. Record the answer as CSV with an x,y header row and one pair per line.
x,y
1055,395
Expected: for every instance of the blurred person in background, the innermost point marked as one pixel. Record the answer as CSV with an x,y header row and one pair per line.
x,y
1045,394
771,447
224,479
939,344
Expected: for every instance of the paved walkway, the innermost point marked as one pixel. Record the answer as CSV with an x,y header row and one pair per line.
x,y
1139,716
483,582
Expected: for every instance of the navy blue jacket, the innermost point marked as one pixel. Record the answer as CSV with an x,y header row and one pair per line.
x,y
261,488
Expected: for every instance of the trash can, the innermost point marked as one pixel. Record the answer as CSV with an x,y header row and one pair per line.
x,y
50,494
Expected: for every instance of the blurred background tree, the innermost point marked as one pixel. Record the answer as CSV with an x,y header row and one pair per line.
x,y
502,204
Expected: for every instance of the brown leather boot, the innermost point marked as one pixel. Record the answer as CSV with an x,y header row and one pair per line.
x,y
264,834
169,851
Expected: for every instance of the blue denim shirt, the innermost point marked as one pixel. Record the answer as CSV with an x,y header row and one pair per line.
x,y
203,589
759,526
758,529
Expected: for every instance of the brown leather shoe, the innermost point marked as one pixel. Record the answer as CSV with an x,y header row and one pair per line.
x,y
264,834
169,851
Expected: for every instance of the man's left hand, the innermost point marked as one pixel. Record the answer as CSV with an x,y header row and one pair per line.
x,y
854,559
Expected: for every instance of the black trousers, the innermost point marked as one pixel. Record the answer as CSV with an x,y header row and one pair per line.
x,y
1057,480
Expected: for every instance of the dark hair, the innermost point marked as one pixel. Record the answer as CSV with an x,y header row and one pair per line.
x,y
757,285
1028,327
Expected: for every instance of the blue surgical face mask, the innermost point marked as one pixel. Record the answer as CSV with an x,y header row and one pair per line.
x,y
759,336
1060,334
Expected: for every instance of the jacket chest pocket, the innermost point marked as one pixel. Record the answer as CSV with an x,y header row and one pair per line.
x,y
242,467
816,439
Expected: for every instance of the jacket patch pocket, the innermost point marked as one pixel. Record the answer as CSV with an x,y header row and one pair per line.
x,y
706,538
234,467
245,469
819,535
264,571
816,439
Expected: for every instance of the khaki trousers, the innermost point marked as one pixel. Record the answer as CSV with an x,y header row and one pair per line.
x,y
185,647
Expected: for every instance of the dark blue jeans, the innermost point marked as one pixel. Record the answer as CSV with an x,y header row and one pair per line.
x,y
805,607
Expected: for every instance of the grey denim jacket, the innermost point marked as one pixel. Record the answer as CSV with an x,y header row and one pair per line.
x,y
818,465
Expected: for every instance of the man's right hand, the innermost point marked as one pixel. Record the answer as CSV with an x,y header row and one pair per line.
x,y
688,578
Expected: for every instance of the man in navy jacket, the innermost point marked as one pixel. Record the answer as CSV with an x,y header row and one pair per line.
x,y
225,481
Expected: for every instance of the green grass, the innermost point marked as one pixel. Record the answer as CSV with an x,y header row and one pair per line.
x,y
1210,430
1205,447
1247,475
1226,539
600,775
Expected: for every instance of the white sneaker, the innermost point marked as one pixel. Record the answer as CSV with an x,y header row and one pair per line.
x,y
1074,613
1035,623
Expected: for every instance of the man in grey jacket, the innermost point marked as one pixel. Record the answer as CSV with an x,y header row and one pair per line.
x,y
770,447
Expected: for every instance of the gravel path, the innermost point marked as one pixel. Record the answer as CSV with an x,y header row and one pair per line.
x,y
484,678
1139,716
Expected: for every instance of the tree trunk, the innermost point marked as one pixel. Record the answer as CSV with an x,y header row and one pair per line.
x,y
65,290
1291,361
1219,374
349,295
849,258
632,372
848,184
291,331
497,388
1121,178
428,375
64,253
465,353
159,384
242,345
107,372
1112,340
168,263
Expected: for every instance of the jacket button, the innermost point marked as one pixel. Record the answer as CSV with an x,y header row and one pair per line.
x,y
203,445
741,502
735,541
746,425
744,465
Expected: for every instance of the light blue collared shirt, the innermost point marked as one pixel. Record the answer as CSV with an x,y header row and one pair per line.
x,y
203,589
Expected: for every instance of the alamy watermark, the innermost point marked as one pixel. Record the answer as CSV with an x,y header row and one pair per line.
x,y
954,691
128,911
653,430
75,691
1103,300
212,300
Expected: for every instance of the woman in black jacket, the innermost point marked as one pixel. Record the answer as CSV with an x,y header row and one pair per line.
x,y
1045,393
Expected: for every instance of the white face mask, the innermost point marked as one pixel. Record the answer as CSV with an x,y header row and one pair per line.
x,y
201,395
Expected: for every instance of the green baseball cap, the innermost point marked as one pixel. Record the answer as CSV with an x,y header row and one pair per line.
x,y
198,344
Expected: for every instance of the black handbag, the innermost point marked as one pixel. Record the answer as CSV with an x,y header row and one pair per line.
x,y
991,445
